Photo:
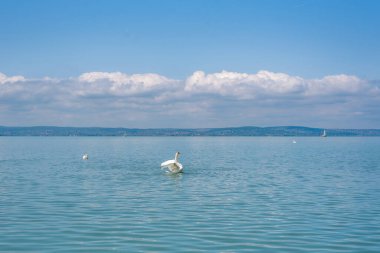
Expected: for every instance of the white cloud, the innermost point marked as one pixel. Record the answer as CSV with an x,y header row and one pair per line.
x,y
201,100
335,84
10,79
247,86
118,83
243,85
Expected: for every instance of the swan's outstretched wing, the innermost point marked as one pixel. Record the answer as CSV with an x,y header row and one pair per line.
x,y
167,163
172,165
180,167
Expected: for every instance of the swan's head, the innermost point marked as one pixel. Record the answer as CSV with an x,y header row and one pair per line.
x,y
176,155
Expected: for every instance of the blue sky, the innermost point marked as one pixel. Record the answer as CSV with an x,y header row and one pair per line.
x,y
331,46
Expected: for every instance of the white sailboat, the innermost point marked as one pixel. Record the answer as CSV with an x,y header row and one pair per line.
x,y
324,133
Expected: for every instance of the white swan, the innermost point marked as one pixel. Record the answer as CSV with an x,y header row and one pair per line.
x,y
173,165
85,157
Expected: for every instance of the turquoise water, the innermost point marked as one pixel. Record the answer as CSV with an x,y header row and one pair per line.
x,y
243,194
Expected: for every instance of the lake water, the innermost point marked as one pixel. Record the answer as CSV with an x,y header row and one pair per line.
x,y
237,194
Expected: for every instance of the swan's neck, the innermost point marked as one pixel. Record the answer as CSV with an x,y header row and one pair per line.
x,y
176,157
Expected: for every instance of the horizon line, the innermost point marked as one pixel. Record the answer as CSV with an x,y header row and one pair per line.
x,y
188,128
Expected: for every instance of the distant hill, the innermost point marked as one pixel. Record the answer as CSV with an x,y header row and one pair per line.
x,y
228,131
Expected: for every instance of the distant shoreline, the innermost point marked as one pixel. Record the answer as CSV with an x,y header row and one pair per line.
x,y
227,131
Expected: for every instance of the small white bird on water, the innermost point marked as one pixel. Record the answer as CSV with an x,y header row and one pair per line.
x,y
173,165
85,157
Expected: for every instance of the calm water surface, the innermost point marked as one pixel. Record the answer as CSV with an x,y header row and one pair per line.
x,y
243,194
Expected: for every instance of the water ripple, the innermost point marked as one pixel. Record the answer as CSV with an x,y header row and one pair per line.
x,y
236,195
